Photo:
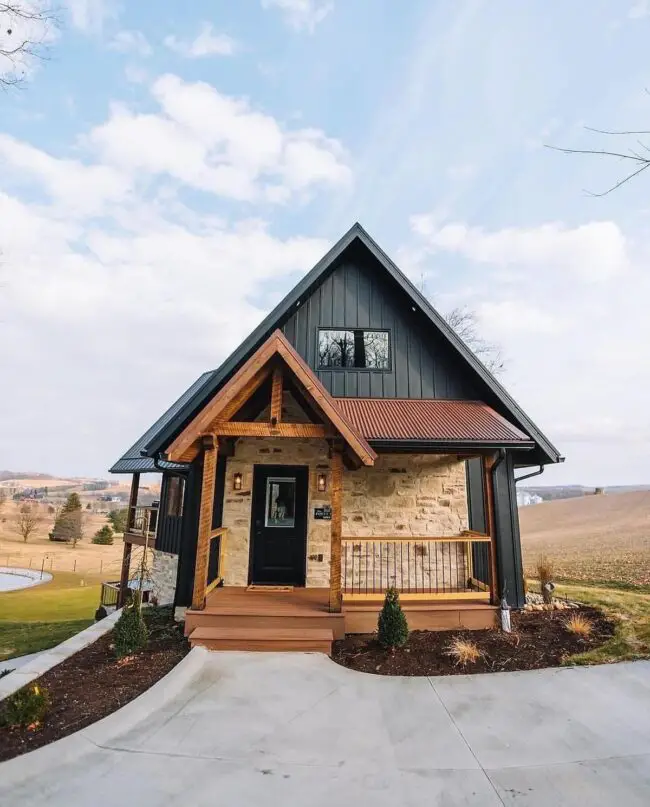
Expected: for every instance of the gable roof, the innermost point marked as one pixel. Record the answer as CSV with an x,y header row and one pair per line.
x,y
247,379
159,438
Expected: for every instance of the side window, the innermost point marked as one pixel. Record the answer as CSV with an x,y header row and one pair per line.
x,y
175,496
355,349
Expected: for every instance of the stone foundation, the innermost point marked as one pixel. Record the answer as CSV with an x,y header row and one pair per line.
x,y
163,576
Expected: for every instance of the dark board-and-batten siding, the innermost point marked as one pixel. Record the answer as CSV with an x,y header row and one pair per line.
x,y
352,296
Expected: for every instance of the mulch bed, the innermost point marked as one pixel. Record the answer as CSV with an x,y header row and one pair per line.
x,y
539,639
93,683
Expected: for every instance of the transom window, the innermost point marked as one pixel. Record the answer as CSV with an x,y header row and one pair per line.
x,y
355,349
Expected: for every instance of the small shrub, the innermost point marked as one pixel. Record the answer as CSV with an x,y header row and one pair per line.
x,y
25,708
580,625
130,632
464,652
104,535
392,627
545,570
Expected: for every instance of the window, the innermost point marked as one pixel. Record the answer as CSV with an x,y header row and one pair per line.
x,y
175,495
280,502
355,349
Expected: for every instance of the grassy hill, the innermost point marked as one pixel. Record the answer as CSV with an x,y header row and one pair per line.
x,y
603,538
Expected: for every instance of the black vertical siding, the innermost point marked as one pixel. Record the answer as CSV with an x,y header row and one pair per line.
x,y
190,534
508,541
355,295
168,533
219,487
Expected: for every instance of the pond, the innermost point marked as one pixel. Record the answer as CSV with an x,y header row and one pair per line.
x,y
12,579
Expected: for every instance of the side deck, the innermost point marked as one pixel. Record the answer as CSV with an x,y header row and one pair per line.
x,y
300,619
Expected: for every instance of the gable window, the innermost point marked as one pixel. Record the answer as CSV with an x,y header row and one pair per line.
x,y
355,349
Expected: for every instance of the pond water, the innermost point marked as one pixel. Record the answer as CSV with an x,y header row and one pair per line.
x,y
12,579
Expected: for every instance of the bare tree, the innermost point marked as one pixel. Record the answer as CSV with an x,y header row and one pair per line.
x,y
28,520
464,321
25,28
636,155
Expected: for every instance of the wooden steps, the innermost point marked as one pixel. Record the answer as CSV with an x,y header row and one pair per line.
x,y
304,640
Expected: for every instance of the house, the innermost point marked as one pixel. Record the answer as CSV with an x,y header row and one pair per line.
x,y
350,443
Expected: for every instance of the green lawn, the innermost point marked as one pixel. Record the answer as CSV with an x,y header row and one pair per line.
x,y
38,618
631,611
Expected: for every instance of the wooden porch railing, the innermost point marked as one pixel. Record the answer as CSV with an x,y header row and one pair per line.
x,y
448,567
142,521
214,567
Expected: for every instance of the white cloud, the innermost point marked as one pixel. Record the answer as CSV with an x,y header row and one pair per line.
x,y
219,144
131,42
511,316
301,14
90,15
597,250
206,43
639,10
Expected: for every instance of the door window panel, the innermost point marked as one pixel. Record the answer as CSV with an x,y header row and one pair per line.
x,y
280,502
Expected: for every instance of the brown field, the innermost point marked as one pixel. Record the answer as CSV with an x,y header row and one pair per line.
x,y
86,558
594,538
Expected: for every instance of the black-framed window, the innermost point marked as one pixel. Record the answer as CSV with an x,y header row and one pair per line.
x,y
355,349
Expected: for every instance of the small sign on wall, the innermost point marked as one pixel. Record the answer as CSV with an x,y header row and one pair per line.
x,y
323,513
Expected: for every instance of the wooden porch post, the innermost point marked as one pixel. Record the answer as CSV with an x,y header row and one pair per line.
x,y
488,463
210,452
126,555
336,465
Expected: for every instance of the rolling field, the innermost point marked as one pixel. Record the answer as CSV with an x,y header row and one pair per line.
x,y
596,539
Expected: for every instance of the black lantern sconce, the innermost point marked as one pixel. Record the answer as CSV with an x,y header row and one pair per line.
x,y
321,483
237,481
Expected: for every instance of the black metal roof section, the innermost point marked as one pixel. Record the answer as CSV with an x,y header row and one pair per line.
x,y
133,460
162,432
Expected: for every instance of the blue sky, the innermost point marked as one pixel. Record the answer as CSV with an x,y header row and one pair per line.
x,y
170,171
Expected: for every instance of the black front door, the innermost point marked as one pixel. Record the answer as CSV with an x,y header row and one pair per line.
x,y
279,525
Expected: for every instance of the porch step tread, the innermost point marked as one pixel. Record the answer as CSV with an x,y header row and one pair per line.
x,y
270,639
418,605
262,610
262,633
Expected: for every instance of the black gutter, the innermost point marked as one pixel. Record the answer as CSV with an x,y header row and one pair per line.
x,y
528,476
180,472
443,445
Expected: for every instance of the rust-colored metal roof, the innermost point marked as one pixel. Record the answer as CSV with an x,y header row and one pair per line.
x,y
430,420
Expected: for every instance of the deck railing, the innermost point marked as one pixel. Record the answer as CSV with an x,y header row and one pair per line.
x,y
444,567
216,556
143,520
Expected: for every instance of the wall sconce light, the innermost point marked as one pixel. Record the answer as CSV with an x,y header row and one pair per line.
x,y
321,483
237,481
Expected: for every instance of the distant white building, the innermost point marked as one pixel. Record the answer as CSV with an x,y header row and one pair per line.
x,y
524,498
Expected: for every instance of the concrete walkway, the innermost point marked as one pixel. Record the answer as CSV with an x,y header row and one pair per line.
x,y
246,729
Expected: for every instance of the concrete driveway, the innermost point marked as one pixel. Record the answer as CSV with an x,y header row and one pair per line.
x,y
243,729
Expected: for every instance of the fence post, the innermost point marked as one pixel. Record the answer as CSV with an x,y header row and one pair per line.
x,y
101,565
74,568
42,567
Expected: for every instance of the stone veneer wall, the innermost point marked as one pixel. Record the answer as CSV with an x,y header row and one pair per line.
x,y
163,576
237,504
409,495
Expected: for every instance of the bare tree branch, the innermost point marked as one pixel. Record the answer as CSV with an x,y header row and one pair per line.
x,y
464,321
641,161
25,29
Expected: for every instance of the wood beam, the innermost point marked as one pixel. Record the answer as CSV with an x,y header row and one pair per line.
x,y
276,396
210,452
488,487
336,467
126,554
232,428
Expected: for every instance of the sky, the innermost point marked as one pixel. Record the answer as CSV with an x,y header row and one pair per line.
x,y
170,171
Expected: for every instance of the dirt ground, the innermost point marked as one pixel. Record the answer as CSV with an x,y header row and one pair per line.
x,y
604,538
85,558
